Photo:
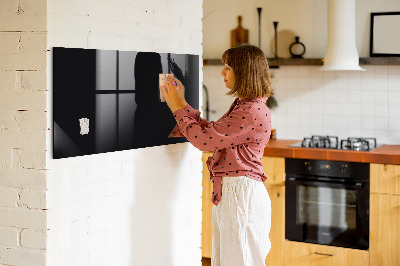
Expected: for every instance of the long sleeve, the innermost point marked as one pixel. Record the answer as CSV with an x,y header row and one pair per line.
x,y
193,113
231,130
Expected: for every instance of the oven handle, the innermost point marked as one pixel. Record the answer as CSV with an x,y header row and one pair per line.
x,y
357,185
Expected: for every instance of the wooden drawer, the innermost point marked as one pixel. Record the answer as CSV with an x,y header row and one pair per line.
x,y
305,254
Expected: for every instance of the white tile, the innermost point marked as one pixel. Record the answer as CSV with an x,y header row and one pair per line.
x,y
328,74
317,95
394,97
394,83
316,82
342,133
303,82
304,109
394,110
278,83
317,131
329,109
381,71
292,95
291,71
293,120
381,97
342,81
369,70
394,137
367,96
317,108
381,84
316,72
367,133
355,122
394,70
367,83
329,94
368,110
355,132
355,109
367,123
331,131
342,122
304,72
278,72
381,123
342,96
354,83
355,96
317,121
381,110
342,109
329,122
394,123
382,136
292,83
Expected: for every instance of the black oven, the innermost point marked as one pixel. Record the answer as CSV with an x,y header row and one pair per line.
x,y
327,202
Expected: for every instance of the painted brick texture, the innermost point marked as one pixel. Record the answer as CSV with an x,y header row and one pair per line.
x,y
23,218
135,207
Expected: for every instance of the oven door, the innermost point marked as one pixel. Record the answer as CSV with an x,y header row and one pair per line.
x,y
327,213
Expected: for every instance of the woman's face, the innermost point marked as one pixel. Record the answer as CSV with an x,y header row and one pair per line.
x,y
229,76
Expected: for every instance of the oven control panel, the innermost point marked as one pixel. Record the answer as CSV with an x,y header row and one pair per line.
x,y
338,169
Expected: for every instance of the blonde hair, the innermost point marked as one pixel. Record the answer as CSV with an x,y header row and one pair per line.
x,y
250,66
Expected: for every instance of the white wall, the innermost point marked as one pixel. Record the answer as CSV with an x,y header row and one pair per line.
x,y
304,18
136,207
311,102
23,132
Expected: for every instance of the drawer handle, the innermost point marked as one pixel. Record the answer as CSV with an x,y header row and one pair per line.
x,y
325,254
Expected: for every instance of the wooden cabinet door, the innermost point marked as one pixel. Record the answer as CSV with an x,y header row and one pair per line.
x,y
385,178
206,232
305,254
277,233
274,168
384,236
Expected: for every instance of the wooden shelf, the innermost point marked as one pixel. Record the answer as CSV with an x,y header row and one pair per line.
x,y
273,63
380,61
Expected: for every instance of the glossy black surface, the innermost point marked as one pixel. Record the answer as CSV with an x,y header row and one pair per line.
x,y
118,91
327,202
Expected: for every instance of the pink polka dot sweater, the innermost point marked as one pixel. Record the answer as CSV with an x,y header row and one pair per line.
x,y
238,139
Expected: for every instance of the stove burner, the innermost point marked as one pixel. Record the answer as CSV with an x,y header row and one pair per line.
x,y
358,144
328,142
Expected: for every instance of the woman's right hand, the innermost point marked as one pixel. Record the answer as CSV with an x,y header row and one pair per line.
x,y
181,91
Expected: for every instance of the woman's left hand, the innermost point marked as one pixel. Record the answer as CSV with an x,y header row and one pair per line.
x,y
172,98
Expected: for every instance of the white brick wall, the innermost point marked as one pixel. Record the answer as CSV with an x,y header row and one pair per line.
x,y
136,207
100,206
23,218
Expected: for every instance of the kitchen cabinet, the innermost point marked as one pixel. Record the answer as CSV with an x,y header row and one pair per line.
x,y
385,178
274,168
206,225
385,214
305,254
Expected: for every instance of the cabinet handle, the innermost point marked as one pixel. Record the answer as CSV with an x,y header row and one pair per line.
x,y
325,254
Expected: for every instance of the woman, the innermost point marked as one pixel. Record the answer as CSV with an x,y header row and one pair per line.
x,y
242,208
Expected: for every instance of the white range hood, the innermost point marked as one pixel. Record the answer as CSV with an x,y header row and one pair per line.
x,y
341,51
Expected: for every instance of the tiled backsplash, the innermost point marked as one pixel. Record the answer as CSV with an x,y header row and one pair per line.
x,y
314,102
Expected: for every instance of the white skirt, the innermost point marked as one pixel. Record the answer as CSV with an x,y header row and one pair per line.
x,y
241,223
